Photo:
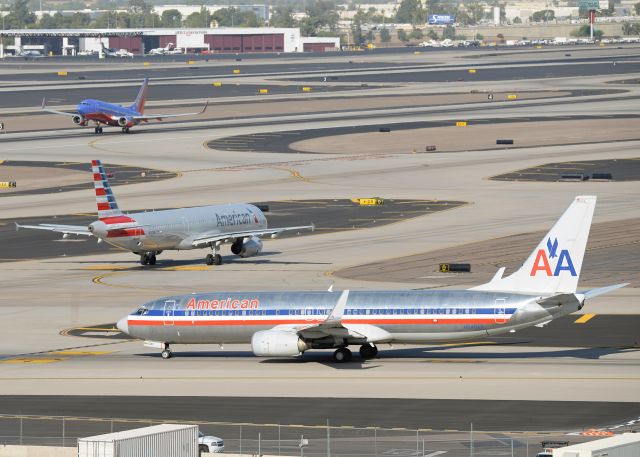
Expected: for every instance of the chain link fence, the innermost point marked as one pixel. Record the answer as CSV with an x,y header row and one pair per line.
x,y
282,440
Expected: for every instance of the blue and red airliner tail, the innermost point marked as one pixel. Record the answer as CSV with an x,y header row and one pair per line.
x,y
102,113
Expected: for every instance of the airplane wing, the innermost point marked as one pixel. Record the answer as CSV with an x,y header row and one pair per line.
x,y
206,239
64,229
334,326
44,108
159,117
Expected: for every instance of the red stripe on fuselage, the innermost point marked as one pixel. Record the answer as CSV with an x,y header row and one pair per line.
x,y
116,220
120,233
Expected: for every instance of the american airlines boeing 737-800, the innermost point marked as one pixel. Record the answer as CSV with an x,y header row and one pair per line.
x,y
148,234
104,113
279,324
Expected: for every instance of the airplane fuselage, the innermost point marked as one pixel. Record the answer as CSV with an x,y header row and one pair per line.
x,y
384,316
106,113
176,229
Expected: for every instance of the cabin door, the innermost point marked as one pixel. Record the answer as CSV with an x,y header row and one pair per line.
x,y
500,311
169,310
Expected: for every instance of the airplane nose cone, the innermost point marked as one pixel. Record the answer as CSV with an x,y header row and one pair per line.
x,y
123,325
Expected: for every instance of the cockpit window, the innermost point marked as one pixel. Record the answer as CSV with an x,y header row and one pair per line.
x,y
142,311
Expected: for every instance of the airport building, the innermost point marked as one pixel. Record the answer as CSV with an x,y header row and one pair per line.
x,y
141,41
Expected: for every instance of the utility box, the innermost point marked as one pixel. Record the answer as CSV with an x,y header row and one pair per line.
x,y
625,445
166,440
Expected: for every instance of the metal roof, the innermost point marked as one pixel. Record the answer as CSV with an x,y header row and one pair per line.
x,y
137,432
72,32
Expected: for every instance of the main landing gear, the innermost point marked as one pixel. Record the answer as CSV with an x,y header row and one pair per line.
x,y
98,130
215,258
166,352
212,259
148,258
367,351
125,129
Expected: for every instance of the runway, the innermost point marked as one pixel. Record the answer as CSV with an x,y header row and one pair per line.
x,y
331,148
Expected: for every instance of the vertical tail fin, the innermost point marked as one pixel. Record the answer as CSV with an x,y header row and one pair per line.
x,y
141,99
554,265
107,206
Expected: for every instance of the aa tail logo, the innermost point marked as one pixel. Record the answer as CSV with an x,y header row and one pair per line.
x,y
542,262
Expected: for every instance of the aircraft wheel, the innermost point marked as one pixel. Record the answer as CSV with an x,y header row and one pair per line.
x,y
342,355
100,130
125,129
152,259
166,354
209,259
217,259
368,352
144,260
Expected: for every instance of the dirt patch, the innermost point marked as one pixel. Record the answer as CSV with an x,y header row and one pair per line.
x,y
612,257
33,178
475,136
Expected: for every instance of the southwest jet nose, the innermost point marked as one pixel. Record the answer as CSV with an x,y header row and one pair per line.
x,y
123,325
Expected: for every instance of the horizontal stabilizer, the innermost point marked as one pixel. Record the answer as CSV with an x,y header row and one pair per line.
x,y
65,229
602,290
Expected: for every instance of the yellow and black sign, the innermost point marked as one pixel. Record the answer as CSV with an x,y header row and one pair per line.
x,y
461,124
374,201
444,267
7,184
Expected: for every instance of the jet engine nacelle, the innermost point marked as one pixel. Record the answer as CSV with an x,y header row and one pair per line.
x,y
247,247
274,343
124,122
79,120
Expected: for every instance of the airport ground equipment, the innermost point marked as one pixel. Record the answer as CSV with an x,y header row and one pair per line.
x,y
165,440
625,445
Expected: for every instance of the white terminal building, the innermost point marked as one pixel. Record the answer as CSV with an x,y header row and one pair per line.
x,y
141,41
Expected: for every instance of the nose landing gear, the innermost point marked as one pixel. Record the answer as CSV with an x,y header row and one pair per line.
x,y
215,258
166,353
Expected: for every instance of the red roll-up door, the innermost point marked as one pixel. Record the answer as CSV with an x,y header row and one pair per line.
x,y
279,42
166,39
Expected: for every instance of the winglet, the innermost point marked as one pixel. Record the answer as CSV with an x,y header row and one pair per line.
x,y
205,107
338,309
18,226
330,289
44,100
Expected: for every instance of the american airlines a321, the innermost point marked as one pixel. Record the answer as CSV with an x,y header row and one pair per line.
x,y
330,228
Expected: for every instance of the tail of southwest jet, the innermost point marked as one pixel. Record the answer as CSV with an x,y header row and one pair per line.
x,y
554,265
141,99
106,201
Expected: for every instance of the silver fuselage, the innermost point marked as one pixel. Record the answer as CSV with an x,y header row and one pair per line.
x,y
399,316
176,229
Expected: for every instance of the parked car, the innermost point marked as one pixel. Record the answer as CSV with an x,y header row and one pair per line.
x,y
211,444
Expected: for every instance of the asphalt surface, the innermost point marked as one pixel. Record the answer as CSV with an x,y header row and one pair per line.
x,y
620,170
117,175
176,92
94,69
510,73
326,215
411,413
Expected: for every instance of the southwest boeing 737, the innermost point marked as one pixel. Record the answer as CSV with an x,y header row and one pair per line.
x,y
125,117
280,324
148,234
